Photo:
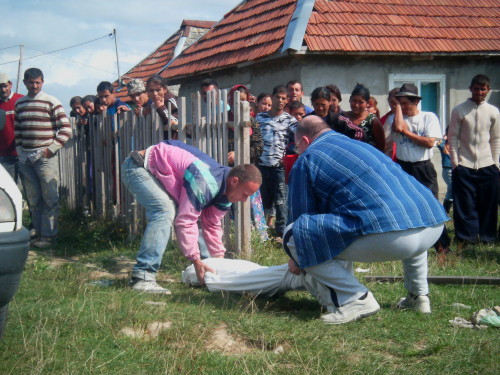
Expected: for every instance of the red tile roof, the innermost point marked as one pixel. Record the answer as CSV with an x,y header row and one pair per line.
x,y
160,57
404,26
253,30
256,29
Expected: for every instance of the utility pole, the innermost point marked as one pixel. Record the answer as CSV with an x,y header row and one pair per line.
x,y
117,60
21,46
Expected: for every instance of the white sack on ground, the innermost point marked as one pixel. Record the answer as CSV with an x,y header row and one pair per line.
x,y
235,275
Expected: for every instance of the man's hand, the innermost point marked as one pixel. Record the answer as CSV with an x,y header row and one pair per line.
x,y
293,268
46,153
146,111
82,121
122,108
201,268
159,101
138,110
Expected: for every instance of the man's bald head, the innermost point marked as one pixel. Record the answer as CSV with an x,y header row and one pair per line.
x,y
311,127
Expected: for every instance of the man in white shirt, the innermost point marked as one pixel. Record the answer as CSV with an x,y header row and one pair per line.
x,y
415,133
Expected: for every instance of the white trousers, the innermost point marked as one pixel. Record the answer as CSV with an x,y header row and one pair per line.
x,y
410,246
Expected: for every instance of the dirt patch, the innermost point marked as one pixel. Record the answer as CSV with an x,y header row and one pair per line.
x,y
151,331
222,341
53,261
225,343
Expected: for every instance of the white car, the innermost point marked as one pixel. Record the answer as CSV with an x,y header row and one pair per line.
x,y
14,242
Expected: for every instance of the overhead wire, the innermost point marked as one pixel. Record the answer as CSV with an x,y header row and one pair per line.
x,y
81,63
58,50
17,45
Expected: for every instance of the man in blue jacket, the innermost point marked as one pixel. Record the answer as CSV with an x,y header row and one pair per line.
x,y
350,202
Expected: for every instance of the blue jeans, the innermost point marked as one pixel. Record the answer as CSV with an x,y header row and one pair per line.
x,y
41,184
160,213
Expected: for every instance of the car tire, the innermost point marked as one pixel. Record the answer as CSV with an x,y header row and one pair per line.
x,y
4,310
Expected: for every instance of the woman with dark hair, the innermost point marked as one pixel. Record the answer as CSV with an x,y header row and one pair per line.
x,y
156,88
335,97
88,103
322,103
358,123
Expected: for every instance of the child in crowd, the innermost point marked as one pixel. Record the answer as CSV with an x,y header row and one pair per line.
x,y
372,106
263,103
277,128
88,103
297,110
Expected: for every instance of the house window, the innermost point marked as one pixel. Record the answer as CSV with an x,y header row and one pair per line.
x,y
432,89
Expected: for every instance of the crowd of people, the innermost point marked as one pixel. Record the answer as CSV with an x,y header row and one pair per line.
x,y
337,185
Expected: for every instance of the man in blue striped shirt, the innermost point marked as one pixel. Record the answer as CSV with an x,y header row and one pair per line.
x,y
350,202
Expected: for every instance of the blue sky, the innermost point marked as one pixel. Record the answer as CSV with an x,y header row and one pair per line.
x,y
47,25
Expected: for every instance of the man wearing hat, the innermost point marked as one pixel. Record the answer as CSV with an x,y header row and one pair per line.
x,y
137,92
8,154
415,133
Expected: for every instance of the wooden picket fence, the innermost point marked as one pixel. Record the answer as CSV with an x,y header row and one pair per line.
x,y
90,161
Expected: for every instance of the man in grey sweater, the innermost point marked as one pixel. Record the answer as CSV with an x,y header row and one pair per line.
x,y
474,138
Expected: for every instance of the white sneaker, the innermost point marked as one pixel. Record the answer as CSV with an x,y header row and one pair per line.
x,y
355,310
419,303
149,287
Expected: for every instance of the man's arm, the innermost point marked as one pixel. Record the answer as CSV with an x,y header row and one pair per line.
x,y
186,228
495,138
453,133
399,122
212,230
18,134
379,135
427,142
63,133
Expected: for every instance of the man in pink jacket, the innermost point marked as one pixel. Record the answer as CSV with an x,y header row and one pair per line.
x,y
177,183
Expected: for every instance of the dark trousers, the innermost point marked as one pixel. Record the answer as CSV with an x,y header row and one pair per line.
x,y
475,209
273,193
425,173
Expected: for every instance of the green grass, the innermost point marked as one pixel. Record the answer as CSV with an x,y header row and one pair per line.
x,y
61,324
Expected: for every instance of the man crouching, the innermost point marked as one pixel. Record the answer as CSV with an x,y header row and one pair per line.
x,y
177,183
349,202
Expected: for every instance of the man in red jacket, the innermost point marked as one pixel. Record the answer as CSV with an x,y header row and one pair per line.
x,y
8,99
